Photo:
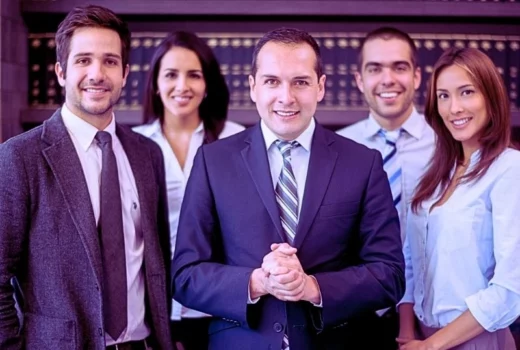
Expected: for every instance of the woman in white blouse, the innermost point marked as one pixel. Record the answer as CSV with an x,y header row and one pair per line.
x,y
186,103
463,242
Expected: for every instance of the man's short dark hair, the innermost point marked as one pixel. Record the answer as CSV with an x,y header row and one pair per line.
x,y
94,17
387,33
289,36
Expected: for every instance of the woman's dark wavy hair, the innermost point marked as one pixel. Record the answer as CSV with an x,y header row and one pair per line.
x,y
214,107
495,136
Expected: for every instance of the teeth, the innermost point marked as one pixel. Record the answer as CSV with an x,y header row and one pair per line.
x,y
181,98
460,122
285,114
388,94
95,90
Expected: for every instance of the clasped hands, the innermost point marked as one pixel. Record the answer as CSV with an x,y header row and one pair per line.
x,y
282,276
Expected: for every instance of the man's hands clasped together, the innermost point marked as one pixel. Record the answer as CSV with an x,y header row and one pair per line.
x,y
282,276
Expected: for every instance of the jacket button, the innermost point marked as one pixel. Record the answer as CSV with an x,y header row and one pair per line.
x,y
277,327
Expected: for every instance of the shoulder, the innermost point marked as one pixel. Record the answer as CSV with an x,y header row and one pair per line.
x,y
25,142
230,128
148,129
348,147
508,159
353,131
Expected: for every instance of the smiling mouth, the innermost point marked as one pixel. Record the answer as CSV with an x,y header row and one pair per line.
x,y
95,90
286,114
388,94
461,122
182,98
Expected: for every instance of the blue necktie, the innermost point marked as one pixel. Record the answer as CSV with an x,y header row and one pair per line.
x,y
392,164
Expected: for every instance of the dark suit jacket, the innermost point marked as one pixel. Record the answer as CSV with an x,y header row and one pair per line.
x,y
348,238
49,241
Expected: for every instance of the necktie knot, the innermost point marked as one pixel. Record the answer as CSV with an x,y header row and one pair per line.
x,y
285,147
391,137
104,138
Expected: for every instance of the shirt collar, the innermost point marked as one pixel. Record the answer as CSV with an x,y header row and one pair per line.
x,y
154,129
82,131
414,125
305,138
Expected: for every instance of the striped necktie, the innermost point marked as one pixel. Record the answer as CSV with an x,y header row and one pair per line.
x,y
392,164
287,199
286,191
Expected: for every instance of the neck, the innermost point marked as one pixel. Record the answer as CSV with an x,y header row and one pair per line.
x,y
99,121
180,124
468,148
394,123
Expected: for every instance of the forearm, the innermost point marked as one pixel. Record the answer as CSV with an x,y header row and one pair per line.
x,y
464,328
406,321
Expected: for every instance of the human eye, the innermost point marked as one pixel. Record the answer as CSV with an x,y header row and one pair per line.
x,y
442,96
373,69
467,92
82,60
112,62
196,75
270,82
170,75
401,68
301,83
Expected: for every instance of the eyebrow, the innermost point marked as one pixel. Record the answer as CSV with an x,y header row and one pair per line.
x,y
395,63
176,70
459,88
299,77
89,54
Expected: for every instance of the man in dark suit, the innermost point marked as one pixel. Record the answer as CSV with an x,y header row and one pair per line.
x,y
83,224
288,232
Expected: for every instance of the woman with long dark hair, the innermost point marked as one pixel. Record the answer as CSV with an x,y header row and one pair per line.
x,y
461,250
186,104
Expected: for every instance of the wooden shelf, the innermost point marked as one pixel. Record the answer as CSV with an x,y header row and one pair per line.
x,y
247,117
288,7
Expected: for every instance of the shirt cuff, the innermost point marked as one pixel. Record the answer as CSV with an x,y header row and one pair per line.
x,y
249,300
320,304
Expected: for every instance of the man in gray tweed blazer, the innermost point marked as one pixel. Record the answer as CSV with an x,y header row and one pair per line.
x,y
88,279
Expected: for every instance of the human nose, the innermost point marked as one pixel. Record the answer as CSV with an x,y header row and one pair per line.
x,y
387,77
455,106
96,72
286,94
181,83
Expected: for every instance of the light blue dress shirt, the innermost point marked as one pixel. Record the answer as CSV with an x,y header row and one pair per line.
x,y
465,254
414,150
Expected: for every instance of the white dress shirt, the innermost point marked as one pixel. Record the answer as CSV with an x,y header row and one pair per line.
x,y
414,149
82,135
464,254
299,157
176,181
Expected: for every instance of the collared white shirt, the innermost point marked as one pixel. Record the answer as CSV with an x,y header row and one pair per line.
x,y
299,157
414,149
464,254
176,181
82,135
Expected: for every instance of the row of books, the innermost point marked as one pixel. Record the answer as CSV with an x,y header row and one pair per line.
x,y
234,52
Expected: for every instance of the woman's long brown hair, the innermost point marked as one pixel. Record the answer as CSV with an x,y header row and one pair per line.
x,y
495,136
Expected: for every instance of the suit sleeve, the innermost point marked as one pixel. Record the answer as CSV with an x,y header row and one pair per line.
x,y
201,279
377,281
14,219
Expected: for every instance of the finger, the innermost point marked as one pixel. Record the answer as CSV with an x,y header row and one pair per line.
x,y
403,340
275,246
286,249
286,278
279,270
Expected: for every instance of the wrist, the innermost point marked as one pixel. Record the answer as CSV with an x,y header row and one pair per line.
x,y
311,290
256,284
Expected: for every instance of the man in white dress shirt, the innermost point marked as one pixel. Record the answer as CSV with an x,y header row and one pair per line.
x,y
83,215
388,76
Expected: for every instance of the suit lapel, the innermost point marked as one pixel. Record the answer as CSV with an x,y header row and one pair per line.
x,y
255,158
64,163
321,165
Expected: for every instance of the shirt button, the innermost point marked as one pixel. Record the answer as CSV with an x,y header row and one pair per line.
x,y
134,205
277,327
100,332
